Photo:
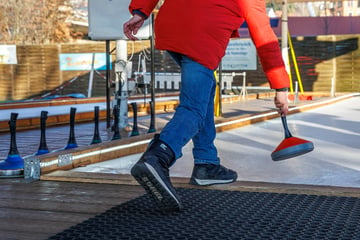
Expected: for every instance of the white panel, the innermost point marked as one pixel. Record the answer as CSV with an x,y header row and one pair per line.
x,y
106,19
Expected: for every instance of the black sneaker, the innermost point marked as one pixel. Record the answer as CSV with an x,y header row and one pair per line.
x,y
208,174
152,173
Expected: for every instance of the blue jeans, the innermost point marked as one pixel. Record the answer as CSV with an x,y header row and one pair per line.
x,y
194,116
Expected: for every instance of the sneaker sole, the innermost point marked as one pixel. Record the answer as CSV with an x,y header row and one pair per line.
x,y
153,184
206,182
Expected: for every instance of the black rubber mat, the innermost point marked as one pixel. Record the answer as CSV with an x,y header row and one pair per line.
x,y
216,214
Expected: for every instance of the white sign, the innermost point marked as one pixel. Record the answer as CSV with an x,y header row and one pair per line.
x,y
240,55
8,54
82,61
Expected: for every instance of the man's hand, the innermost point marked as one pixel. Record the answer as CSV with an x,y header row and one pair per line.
x,y
132,26
281,102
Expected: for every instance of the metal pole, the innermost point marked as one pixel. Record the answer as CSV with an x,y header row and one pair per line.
x,y
220,88
91,76
152,79
333,79
108,112
284,36
122,80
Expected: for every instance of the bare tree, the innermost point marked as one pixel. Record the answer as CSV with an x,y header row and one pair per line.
x,y
34,22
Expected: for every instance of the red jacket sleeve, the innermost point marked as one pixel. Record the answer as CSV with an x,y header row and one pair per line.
x,y
144,6
266,42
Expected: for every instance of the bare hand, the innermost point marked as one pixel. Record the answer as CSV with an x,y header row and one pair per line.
x,y
281,102
132,26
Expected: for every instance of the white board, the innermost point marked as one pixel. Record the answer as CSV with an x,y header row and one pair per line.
x,y
8,54
106,19
240,55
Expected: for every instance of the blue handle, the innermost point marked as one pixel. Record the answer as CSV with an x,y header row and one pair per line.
x,y
286,129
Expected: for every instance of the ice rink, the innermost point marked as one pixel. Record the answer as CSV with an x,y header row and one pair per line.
x,y
334,129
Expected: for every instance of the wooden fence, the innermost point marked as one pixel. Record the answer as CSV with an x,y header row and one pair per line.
x,y
321,60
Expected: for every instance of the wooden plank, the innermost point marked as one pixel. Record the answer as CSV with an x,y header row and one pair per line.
x,y
17,235
38,210
58,205
14,219
7,214
90,177
48,228
52,187
10,198
95,196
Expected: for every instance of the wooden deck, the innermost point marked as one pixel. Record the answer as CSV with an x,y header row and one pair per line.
x,y
40,209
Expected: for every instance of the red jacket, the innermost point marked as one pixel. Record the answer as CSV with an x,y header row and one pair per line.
x,y
201,30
